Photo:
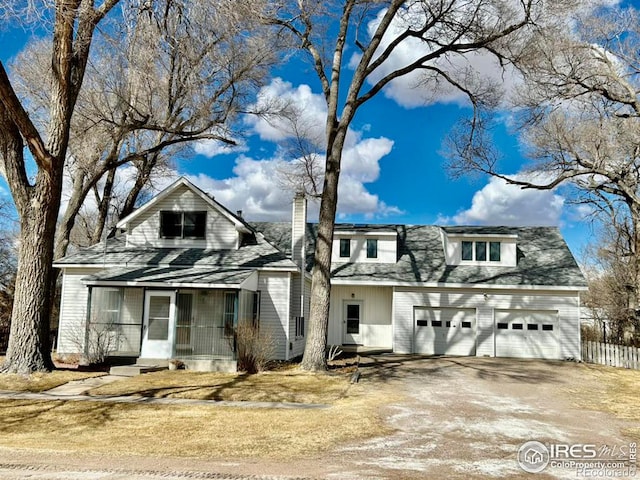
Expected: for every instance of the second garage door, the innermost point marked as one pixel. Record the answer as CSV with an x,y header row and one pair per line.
x,y
527,334
444,331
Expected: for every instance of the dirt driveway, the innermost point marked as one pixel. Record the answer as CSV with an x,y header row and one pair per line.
x,y
461,418
467,417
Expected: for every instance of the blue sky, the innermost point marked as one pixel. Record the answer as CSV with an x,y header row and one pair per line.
x,y
393,171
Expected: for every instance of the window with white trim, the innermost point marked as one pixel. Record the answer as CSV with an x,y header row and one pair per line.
x,y
372,248
345,247
477,251
183,224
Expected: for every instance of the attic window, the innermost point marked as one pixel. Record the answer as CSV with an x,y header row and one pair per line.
x,y
182,224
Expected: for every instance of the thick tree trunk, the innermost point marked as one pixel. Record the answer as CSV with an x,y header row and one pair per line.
x,y
314,358
29,341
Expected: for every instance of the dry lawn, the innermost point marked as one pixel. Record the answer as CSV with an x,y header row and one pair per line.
x,y
41,381
279,386
199,431
616,392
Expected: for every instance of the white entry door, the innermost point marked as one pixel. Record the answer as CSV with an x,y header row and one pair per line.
x,y
352,317
159,325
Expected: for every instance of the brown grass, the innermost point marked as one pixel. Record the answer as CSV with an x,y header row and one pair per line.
x,y
196,431
279,386
613,390
41,381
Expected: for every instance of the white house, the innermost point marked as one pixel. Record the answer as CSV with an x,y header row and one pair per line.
x,y
183,270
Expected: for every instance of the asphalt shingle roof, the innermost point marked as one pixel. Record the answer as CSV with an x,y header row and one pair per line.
x,y
173,275
260,254
544,259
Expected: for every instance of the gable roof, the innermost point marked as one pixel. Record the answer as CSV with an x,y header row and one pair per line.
x,y
544,259
239,223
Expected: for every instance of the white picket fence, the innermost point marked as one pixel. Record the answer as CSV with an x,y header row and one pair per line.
x,y
610,354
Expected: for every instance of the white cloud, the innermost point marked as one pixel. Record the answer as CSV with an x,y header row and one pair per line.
x,y
211,148
499,203
303,112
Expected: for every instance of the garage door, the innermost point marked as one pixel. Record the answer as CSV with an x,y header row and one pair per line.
x,y
527,334
444,331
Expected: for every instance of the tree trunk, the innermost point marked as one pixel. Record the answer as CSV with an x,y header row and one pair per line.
x,y
314,358
29,342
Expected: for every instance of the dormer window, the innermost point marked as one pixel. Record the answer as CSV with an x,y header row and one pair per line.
x,y
345,247
494,251
188,225
477,251
467,250
481,251
372,248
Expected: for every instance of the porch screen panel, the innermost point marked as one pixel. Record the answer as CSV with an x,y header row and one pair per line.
x,y
183,326
207,333
115,320
159,308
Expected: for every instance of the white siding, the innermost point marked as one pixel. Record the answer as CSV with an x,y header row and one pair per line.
x,y
375,324
220,231
274,309
566,304
73,310
387,248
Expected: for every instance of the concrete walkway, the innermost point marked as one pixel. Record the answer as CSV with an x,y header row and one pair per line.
x,y
76,391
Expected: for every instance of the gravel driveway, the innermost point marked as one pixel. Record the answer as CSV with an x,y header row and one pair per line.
x,y
462,418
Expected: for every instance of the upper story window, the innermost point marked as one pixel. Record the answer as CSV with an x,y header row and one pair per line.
x,y
478,251
182,224
494,251
345,247
372,248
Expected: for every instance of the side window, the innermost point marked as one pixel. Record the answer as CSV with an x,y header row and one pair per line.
x,y
345,247
467,250
372,248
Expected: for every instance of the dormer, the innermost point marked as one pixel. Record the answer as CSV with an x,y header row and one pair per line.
x,y
480,246
364,244
183,216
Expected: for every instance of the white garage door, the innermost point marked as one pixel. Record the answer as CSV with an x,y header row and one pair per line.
x,y
444,331
527,334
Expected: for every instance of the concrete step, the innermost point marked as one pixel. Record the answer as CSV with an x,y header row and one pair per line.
x,y
133,370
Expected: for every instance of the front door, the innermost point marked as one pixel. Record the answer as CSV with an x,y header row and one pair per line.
x,y
352,316
159,325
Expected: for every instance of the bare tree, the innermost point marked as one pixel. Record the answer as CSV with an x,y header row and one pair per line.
x,y
440,32
578,111
150,90
611,290
160,77
37,198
